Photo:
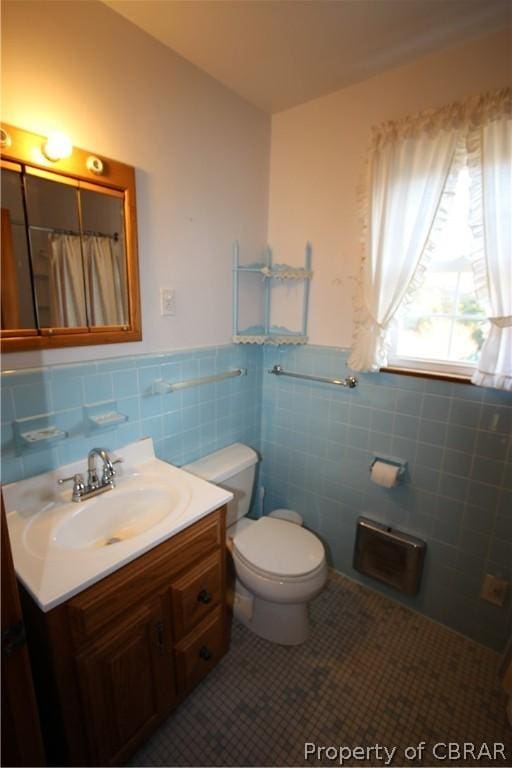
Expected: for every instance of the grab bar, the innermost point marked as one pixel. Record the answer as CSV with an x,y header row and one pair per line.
x,y
350,381
162,387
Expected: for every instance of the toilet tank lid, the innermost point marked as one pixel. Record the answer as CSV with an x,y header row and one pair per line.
x,y
225,463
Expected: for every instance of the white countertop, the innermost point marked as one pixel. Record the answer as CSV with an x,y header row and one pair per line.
x,y
37,508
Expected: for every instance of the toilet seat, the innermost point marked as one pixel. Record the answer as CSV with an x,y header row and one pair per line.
x,y
274,548
274,577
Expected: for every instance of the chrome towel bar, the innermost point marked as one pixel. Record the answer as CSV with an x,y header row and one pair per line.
x,y
350,381
162,387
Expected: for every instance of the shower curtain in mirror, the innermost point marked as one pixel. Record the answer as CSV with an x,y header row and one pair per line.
x,y
104,280
99,276
67,296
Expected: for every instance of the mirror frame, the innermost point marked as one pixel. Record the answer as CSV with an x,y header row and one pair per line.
x,y
25,149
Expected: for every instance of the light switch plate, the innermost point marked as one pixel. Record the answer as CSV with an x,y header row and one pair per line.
x,y
167,301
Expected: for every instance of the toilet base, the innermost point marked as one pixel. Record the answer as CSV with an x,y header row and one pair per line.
x,y
283,623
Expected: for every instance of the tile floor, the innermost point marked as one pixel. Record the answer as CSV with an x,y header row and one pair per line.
x,y
372,673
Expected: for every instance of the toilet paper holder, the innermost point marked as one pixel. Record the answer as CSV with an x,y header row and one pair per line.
x,y
394,461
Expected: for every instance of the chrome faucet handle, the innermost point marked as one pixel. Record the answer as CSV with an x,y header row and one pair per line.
x,y
116,461
78,485
109,471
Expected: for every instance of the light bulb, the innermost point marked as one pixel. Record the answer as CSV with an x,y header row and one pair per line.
x,y
5,139
57,147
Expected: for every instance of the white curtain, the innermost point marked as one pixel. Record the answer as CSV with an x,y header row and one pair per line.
x,y
410,179
490,160
412,168
105,280
67,295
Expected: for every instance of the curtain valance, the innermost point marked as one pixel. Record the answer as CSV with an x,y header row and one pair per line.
x,y
474,112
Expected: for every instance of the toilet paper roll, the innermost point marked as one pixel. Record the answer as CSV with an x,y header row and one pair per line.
x,y
385,474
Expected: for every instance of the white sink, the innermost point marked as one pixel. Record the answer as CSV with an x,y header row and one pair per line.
x,y
116,516
60,547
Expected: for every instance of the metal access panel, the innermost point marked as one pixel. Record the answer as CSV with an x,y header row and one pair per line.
x,y
388,555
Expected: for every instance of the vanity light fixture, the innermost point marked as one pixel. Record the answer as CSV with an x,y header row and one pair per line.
x,y
95,165
57,147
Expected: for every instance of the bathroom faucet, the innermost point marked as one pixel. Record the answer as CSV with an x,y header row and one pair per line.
x,y
108,470
94,486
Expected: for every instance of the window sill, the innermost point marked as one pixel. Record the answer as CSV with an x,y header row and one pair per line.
x,y
451,377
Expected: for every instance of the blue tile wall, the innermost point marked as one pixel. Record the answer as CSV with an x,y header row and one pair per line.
x,y
317,443
184,425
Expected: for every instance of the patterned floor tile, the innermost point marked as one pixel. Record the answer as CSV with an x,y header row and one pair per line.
x,y
373,675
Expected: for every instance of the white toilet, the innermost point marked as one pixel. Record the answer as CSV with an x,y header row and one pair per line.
x,y
279,565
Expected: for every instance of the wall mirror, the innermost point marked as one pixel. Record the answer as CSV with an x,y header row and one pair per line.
x,y
69,247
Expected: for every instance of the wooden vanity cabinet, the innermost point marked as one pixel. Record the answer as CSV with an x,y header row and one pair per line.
x,y
113,661
126,683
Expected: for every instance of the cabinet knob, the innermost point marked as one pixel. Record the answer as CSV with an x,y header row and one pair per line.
x,y
204,597
205,653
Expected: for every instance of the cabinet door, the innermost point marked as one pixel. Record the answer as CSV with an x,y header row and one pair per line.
x,y
21,734
127,683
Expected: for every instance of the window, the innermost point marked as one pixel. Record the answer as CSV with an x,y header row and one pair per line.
x,y
444,328
417,303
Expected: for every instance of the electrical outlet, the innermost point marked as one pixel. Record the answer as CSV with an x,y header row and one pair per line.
x,y
494,590
167,301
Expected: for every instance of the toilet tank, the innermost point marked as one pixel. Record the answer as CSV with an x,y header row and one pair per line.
x,y
233,468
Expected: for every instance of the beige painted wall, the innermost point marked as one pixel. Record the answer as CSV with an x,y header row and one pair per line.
x,y
317,157
201,155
